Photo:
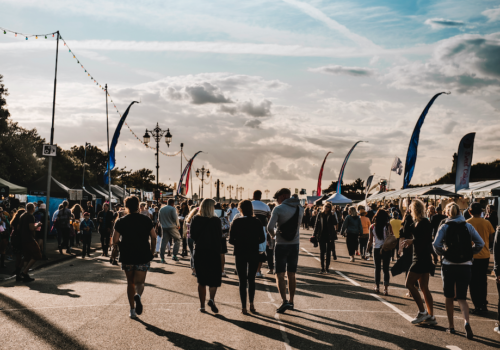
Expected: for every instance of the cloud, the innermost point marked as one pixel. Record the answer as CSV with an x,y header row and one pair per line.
x,y
464,64
492,14
254,123
206,93
336,69
262,109
441,23
274,172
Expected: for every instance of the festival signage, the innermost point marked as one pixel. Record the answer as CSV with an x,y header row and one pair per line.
x,y
464,161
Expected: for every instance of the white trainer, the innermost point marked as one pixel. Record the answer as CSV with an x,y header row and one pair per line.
x,y
421,317
133,313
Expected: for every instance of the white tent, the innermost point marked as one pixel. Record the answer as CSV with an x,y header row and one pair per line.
x,y
337,198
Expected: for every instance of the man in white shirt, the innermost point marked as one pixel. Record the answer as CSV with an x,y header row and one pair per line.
x,y
232,212
263,213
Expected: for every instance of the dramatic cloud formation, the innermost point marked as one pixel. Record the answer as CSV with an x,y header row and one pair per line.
x,y
335,69
206,93
492,14
440,23
464,63
262,109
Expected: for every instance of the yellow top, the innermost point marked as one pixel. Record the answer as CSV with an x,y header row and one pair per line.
x,y
396,226
485,229
76,226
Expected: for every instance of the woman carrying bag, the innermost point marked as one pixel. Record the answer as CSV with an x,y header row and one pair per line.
x,y
326,235
352,229
379,233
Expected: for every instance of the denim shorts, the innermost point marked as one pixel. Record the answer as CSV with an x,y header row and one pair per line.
x,y
141,267
456,275
286,257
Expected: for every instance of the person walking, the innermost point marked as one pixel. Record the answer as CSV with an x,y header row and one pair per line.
x,y
435,223
246,234
86,228
306,220
454,241
481,261
136,237
40,215
496,270
491,215
326,235
231,212
396,228
225,225
206,232
183,212
63,226
352,229
378,233
105,219
263,213
170,227
288,216
422,266
31,250
187,230
363,238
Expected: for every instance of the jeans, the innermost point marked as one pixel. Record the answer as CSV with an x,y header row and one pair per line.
x,y
191,250
325,248
158,243
64,231
382,261
479,282
105,242
168,233
363,241
247,268
87,240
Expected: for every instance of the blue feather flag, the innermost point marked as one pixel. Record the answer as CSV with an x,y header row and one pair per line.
x,y
114,142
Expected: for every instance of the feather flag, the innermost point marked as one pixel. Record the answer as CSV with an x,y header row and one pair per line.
x,y
411,156
320,177
114,142
464,161
341,174
186,173
368,184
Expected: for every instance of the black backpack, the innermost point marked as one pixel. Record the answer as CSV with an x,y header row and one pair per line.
x,y
459,243
288,229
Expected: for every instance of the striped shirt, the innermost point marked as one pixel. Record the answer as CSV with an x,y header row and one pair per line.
x,y
261,211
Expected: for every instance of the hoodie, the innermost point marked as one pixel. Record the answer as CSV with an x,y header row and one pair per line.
x,y
281,214
439,241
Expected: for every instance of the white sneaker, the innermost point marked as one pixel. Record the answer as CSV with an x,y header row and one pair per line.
x,y
270,272
497,328
421,317
431,321
132,313
259,274
367,258
224,274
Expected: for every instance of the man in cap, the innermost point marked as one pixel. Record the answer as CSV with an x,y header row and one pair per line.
x,y
287,215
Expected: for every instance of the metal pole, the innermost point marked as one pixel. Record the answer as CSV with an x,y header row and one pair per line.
x,y
182,153
84,160
157,166
109,159
202,178
49,172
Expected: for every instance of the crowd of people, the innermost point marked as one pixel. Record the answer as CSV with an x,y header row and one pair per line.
x,y
136,233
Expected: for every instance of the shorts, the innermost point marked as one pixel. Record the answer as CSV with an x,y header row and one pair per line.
x,y
31,250
286,257
141,267
456,275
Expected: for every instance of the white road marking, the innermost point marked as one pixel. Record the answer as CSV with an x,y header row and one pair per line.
x,y
350,280
286,341
311,255
363,311
453,347
408,318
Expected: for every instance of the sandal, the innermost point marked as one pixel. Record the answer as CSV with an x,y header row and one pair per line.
x,y
252,309
244,311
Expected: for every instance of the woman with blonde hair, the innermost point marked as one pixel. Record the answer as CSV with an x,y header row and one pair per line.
x,y
352,229
206,232
422,266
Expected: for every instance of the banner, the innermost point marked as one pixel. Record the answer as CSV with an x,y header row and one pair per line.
x,y
114,142
397,166
341,174
187,173
464,161
411,155
368,184
320,177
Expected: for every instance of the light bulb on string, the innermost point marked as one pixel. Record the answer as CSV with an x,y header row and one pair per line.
x,y
4,32
16,35
52,34
45,36
26,38
36,36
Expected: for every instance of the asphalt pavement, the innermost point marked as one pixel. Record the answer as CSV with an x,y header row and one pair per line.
x,y
82,304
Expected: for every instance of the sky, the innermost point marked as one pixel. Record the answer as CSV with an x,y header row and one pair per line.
x,y
264,88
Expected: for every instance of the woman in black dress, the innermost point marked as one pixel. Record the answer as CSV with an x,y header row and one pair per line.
x,y
326,234
246,234
206,232
137,246
422,265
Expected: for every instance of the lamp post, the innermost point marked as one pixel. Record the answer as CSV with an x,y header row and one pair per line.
x,y
84,160
202,171
241,193
230,188
157,133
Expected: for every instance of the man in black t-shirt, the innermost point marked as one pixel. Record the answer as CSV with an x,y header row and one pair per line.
x,y
31,249
105,221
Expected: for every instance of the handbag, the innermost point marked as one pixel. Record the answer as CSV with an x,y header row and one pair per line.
x,y
314,241
390,242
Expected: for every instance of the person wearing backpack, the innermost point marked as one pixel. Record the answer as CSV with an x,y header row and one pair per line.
x,y
352,229
481,261
454,242
288,216
422,266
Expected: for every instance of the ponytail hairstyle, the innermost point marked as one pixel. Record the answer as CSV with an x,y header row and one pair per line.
x,y
380,219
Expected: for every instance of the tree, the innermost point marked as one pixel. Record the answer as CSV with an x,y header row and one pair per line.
x,y
355,187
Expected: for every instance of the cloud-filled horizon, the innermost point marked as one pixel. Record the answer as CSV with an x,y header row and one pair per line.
x,y
264,96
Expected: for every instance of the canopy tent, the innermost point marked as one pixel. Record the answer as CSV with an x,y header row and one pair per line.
x,y
478,189
57,189
96,193
440,192
321,199
114,193
121,190
13,189
339,199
